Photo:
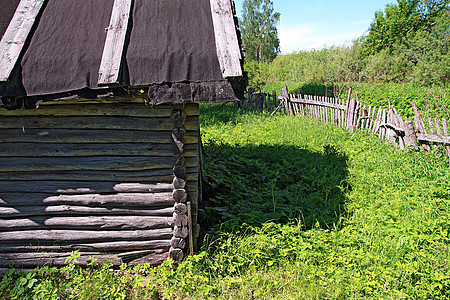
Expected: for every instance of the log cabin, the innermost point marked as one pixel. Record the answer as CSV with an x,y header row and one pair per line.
x,y
100,148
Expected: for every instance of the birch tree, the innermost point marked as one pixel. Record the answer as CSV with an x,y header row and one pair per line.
x,y
259,30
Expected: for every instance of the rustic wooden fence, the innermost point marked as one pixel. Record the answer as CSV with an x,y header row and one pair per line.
x,y
387,123
260,101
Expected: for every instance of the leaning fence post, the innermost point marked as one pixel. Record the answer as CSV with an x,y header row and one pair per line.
x,y
350,113
287,101
410,135
274,96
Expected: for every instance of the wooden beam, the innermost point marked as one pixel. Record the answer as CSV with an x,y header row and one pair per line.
x,y
88,222
85,235
66,210
433,138
82,188
112,200
114,44
16,34
67,136
156,257
318,103
38,246
227,44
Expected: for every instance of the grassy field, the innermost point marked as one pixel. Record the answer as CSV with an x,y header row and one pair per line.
x,y
293,209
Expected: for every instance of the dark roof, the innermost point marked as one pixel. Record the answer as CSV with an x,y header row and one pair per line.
x,y
170,49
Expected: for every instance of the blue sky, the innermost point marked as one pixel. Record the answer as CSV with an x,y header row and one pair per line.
x,y
314,24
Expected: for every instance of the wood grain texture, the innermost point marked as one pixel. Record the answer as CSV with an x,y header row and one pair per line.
x,y
115,43
102,163
81,187
433,138
59,210
94,122
228,51
16,34
92,149
111,163
76,136
85,235
40,246
318,103
112,200
128,107
90,222
160,175
22,260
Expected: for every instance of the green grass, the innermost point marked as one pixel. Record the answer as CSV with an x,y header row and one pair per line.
x,y
295,209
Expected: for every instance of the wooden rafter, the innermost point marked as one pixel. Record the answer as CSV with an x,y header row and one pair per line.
x,y
227,44
16,35
114,45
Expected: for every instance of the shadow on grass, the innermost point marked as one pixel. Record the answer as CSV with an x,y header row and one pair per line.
x,y
255,184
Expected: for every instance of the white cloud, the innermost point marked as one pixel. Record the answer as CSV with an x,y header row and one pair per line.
x,y
311,36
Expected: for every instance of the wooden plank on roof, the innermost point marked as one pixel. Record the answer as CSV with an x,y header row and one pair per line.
x,y
227,44
16,34
114,44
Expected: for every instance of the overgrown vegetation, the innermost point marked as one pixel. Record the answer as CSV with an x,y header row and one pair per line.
x,y
295,209
404,57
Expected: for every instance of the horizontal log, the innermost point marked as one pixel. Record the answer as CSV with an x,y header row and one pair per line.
x,y
151,259
53,259
81,187
84,108
25,211
102,163
318,103
85,235
114,200
67,136
91,222
58,259
95,122
122,149
433,138
161,175
40,246
30,164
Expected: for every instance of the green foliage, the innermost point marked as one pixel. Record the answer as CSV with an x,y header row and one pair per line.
x,y
382,233
256,73
259,30
390,26
400,20
408,43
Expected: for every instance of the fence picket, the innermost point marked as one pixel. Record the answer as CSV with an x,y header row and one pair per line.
x,y
437,122
430,123
445,132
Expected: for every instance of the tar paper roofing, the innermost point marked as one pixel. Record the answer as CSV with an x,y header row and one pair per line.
x,y
177,50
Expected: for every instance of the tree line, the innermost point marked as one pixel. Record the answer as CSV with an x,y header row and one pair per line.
x,y
407,42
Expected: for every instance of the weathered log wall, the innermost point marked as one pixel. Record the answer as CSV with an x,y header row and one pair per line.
x,y
98,177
